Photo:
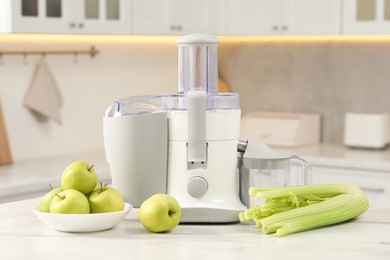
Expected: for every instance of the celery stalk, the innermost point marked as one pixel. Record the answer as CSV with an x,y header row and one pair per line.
x,y
288,210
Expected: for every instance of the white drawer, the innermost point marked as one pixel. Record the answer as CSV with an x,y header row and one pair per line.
x,y
376,184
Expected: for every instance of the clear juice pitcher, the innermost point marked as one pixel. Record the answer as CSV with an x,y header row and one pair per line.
x,y
259,166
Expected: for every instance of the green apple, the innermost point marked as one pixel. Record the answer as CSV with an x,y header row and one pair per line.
x,y
70,202
79,176
46,200
160,213
105,199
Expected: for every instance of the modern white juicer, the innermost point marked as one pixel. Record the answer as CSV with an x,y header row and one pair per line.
x,y
183,144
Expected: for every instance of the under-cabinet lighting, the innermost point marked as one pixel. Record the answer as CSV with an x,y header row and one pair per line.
x,y
308,38
86,38
172,38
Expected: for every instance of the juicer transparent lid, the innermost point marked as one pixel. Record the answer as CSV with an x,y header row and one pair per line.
x,y
158,103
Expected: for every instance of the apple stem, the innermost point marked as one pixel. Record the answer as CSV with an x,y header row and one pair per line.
x,y
89,169
101,186
171,212
59,196
51,187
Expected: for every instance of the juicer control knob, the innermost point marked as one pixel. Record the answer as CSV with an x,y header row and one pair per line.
x,y
197,187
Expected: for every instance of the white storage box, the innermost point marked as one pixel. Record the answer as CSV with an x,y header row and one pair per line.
x,y
366,130
281,129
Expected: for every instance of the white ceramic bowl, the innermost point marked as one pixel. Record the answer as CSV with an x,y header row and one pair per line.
x,y
82,222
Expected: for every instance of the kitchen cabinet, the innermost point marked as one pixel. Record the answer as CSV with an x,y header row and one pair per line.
x,y
375,184
169,17
366,17
70,16
274,17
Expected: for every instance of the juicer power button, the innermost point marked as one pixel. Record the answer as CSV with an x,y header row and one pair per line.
x,y
197,187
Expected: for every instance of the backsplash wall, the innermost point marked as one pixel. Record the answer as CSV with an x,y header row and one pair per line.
x,y
326,77
124,67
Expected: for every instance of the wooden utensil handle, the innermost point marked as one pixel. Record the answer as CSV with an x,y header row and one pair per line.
x,y
5,152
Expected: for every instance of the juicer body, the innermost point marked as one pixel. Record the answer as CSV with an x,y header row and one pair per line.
x,y
207,191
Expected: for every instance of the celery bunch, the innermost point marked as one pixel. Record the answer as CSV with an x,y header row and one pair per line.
x,y
288,210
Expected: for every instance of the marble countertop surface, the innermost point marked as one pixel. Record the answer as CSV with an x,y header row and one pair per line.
x,y
24,236
28,177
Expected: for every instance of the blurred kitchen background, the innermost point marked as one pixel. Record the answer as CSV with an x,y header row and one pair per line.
x,y
322,57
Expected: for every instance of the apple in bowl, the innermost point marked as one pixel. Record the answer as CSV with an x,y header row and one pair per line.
x,y
47,199
105,199
70,201
80,176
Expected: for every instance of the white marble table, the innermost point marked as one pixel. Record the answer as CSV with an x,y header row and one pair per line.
x,y
24,236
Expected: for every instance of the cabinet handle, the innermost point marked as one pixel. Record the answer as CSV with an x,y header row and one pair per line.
x,y
284,28
174,28
72,25
374,190
275,28
81,25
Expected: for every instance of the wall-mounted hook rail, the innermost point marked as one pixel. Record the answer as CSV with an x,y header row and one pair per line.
x,y
92,51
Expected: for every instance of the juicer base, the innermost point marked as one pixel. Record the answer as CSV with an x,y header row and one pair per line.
x,y
198,215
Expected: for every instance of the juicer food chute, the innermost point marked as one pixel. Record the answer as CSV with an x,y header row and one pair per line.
x,y
184,144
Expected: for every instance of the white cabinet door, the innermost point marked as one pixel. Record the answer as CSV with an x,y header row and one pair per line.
x,y
197,16
66,16
253,17
311,17
102,16
375,184
258,17
176,16
41,16
152,17
366,17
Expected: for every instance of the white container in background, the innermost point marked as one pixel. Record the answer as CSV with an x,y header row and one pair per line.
x,y
366,130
